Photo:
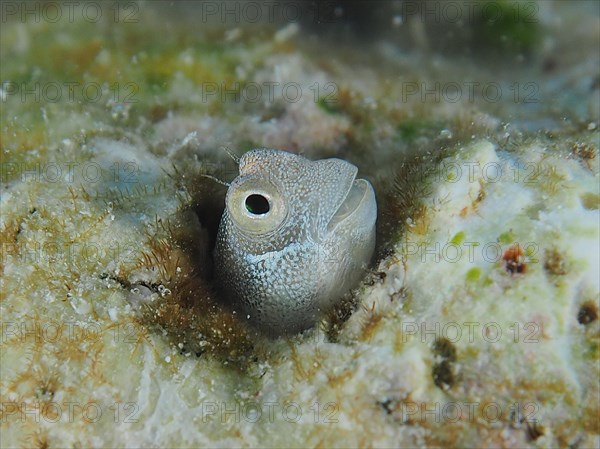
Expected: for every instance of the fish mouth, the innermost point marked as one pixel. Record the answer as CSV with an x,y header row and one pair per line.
x,y
358,193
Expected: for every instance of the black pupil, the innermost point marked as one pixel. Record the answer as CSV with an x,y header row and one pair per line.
x,y
257,204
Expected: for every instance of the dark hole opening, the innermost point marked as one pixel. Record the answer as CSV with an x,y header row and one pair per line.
x,y
588,313
257,204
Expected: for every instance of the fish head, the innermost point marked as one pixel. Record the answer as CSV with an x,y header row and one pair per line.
x,y
280,196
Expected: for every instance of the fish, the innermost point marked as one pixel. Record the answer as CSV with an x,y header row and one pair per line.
x,y
295,236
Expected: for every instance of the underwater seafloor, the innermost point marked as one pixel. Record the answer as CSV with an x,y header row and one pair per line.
x,y
476,122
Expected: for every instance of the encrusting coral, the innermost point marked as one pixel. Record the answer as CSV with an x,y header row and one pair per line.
x,y
477,325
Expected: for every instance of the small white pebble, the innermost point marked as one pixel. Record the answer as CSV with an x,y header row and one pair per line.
x,y
232,35
446,133
188,138
286,32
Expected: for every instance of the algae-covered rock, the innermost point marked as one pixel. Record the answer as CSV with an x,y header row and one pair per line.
x,y
477,324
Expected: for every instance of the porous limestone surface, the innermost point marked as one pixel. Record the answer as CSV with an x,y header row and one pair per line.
x,y
477,325
515,359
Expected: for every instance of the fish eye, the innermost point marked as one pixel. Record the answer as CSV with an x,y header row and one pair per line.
x,y
257,204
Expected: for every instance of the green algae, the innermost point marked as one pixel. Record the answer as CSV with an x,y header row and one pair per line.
x,y
473,274
329,106
458,238
591,201
414,128
507,26
507,237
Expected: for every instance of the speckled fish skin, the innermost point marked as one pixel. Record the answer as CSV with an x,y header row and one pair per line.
x,y
284,268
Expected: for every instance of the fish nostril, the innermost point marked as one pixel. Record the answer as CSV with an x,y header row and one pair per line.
x,y
257,204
